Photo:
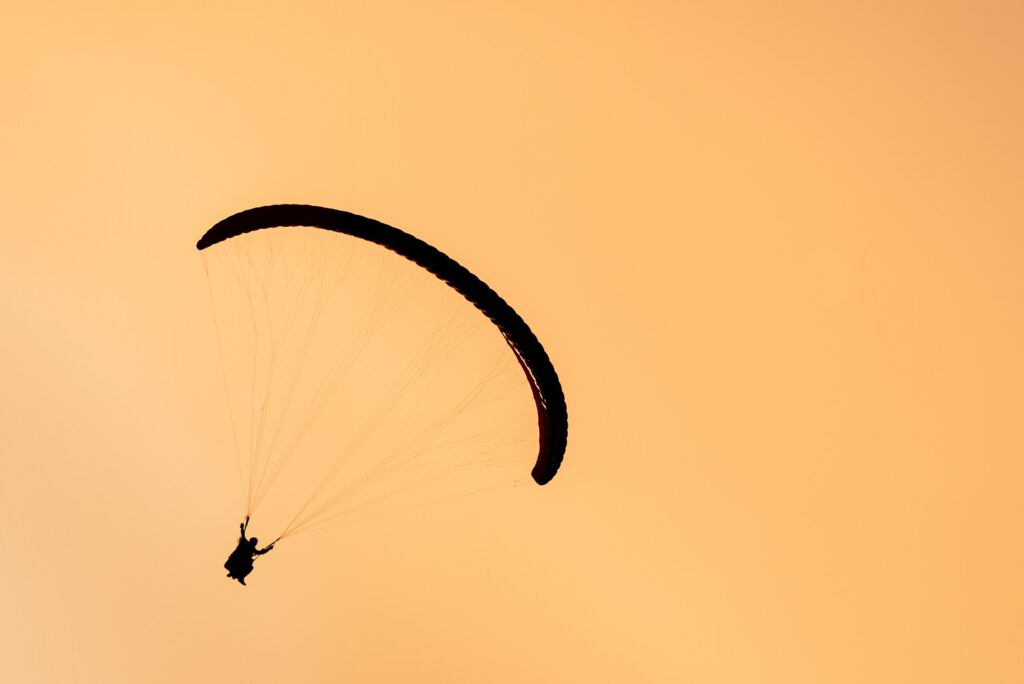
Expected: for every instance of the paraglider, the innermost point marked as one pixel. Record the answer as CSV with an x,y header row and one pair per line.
x,y
240,562
288,357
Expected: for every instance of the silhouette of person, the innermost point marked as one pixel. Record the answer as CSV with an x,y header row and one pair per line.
x,y
239,563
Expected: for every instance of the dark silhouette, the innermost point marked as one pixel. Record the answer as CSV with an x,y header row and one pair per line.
x,y
552,415
239,563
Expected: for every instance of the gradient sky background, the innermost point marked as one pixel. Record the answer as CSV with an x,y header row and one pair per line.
x,y
774,251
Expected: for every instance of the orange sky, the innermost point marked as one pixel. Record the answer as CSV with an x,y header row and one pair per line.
x,y
773,251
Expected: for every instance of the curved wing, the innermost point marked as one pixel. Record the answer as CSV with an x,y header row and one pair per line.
x,y
552,415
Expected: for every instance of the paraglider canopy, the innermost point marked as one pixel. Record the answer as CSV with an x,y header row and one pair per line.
x,y
552,417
